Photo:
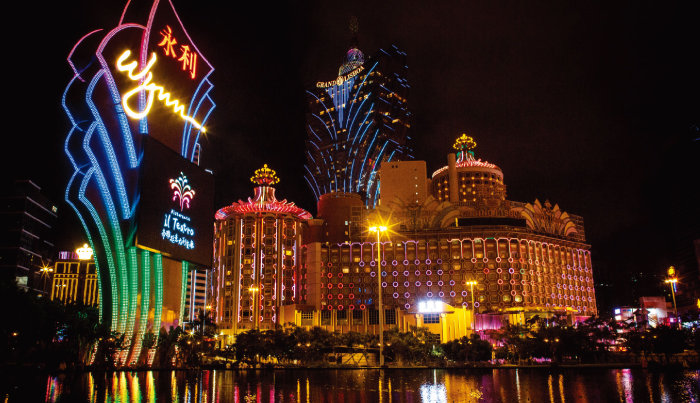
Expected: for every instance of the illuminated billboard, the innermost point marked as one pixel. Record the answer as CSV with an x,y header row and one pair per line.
x,y
140,81
176,216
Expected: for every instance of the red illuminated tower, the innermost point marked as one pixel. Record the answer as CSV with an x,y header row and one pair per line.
x,y
256,255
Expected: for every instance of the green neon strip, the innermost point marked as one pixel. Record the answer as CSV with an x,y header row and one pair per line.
x,y
123,279
110,264
99,289
158,279
145,300
133,295
183,291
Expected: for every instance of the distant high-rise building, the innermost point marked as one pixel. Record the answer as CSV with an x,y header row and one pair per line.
x,y
257,248
356,122
196,296
27,219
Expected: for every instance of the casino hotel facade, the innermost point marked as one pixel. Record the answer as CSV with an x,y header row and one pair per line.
x,y
453,238
458,256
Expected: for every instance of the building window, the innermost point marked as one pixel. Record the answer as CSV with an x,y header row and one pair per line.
x,y
431,318
341,314
307,315
373,317
325,317
357,315
389,317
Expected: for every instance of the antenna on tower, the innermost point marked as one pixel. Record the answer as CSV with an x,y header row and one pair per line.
x,y
354,26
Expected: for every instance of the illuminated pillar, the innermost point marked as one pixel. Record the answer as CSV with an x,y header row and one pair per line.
x,y
452,177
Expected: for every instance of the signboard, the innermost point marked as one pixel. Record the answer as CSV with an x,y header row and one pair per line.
x,y
177,206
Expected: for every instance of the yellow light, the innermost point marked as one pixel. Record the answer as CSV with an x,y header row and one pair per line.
x,y
151,88
671,271
253,289
84,253
464,142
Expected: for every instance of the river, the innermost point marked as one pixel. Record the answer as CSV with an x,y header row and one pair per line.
x,y
358,385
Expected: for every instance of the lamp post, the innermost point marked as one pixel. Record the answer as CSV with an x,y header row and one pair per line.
x,y
380,306
254,289
471,285
45,273
671,281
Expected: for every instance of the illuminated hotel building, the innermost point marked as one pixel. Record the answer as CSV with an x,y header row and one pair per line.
x,y
74,278
526,259
356,122
256,255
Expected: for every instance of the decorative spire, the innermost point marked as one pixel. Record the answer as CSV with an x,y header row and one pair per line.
x,y
464,143
265,177
464,146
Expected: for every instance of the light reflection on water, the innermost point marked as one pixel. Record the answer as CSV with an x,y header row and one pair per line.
x,y
344,386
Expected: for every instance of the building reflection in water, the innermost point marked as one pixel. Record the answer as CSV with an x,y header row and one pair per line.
x,y
392,386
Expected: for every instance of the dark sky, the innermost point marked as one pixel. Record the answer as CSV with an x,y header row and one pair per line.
x,y
591,105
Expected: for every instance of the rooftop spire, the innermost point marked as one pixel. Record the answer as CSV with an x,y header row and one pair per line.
x,y
354,58
464,143
265,177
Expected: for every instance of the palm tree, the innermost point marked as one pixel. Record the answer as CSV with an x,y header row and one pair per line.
x,y
204,324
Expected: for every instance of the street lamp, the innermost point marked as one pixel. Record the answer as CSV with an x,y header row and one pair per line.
x,y
671,281
471,285
254,289
45,273
379,229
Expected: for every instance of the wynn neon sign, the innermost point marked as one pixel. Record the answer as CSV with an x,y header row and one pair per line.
x,y
144,78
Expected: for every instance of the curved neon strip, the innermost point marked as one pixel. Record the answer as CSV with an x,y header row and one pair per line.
x,y
118,244
107,146
362,84
364,163
328,113
146,85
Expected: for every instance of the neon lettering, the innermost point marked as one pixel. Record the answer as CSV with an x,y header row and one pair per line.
x,y
189,60
145,77
168,42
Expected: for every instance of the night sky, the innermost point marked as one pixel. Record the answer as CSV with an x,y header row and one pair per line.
x,y
594,106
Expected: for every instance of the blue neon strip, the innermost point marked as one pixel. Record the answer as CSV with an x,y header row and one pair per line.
x,y
359,109
362,84
109,206
108,149
306,178
329,114
318,189
127,137
312,131
326,126
364,163
205,97
105,244
187,129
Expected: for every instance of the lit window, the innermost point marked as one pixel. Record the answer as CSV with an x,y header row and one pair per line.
x,y
431,318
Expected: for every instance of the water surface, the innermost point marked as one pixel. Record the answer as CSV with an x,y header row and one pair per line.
x,y
363,385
